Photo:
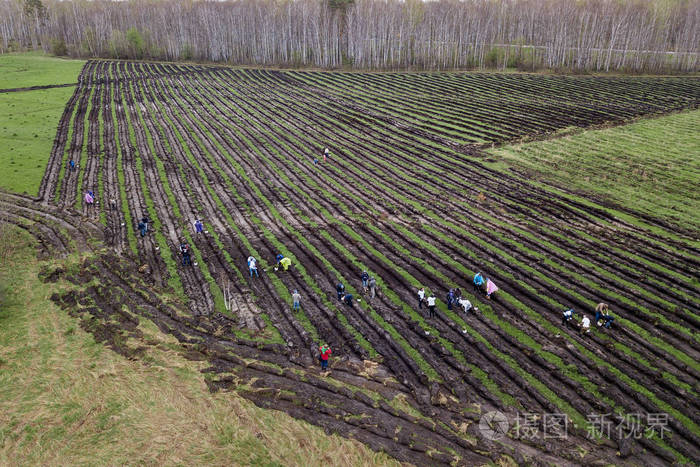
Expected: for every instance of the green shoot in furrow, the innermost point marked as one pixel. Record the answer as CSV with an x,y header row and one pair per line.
x,y
451,130
409,309
642,332
305,275
130,231
411,97
279,286
84,153
62,171
214,288
600,362
101,157
169,259
580,278
339,85
430,372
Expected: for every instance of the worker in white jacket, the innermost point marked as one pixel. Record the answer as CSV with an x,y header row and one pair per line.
x,y
585,324
466,304
431,305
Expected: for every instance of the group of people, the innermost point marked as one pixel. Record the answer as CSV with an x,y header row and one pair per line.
x,y
343,297
281,262
326,153
454,298
602,318
484,286
369,284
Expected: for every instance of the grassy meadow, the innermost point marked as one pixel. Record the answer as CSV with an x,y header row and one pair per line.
x,y
21,70
28,119
67,400
651,166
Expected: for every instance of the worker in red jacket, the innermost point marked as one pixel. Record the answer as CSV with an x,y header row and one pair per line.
x,y
325,355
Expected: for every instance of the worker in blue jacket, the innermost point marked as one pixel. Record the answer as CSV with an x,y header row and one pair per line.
x,y
479,282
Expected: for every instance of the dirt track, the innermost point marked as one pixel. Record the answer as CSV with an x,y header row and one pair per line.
x,y
235,148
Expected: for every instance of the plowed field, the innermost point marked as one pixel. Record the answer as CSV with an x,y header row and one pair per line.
x,y
405,196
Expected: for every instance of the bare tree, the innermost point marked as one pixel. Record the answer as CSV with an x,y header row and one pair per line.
x,y
576,35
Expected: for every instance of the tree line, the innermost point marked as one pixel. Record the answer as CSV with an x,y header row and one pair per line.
x,y
574,35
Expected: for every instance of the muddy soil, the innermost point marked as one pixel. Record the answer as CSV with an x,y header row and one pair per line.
x,y
402,197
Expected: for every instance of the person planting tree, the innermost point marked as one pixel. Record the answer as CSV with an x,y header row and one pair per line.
x,y
340,289
479,282
372,284
347,299
285,263
365,278
142,228
421,297
296,300
465,304
198,226
143,225
325,355
450,299
185,251
602,315
567,317
431,305
89,198
585,325
491,288
253,266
